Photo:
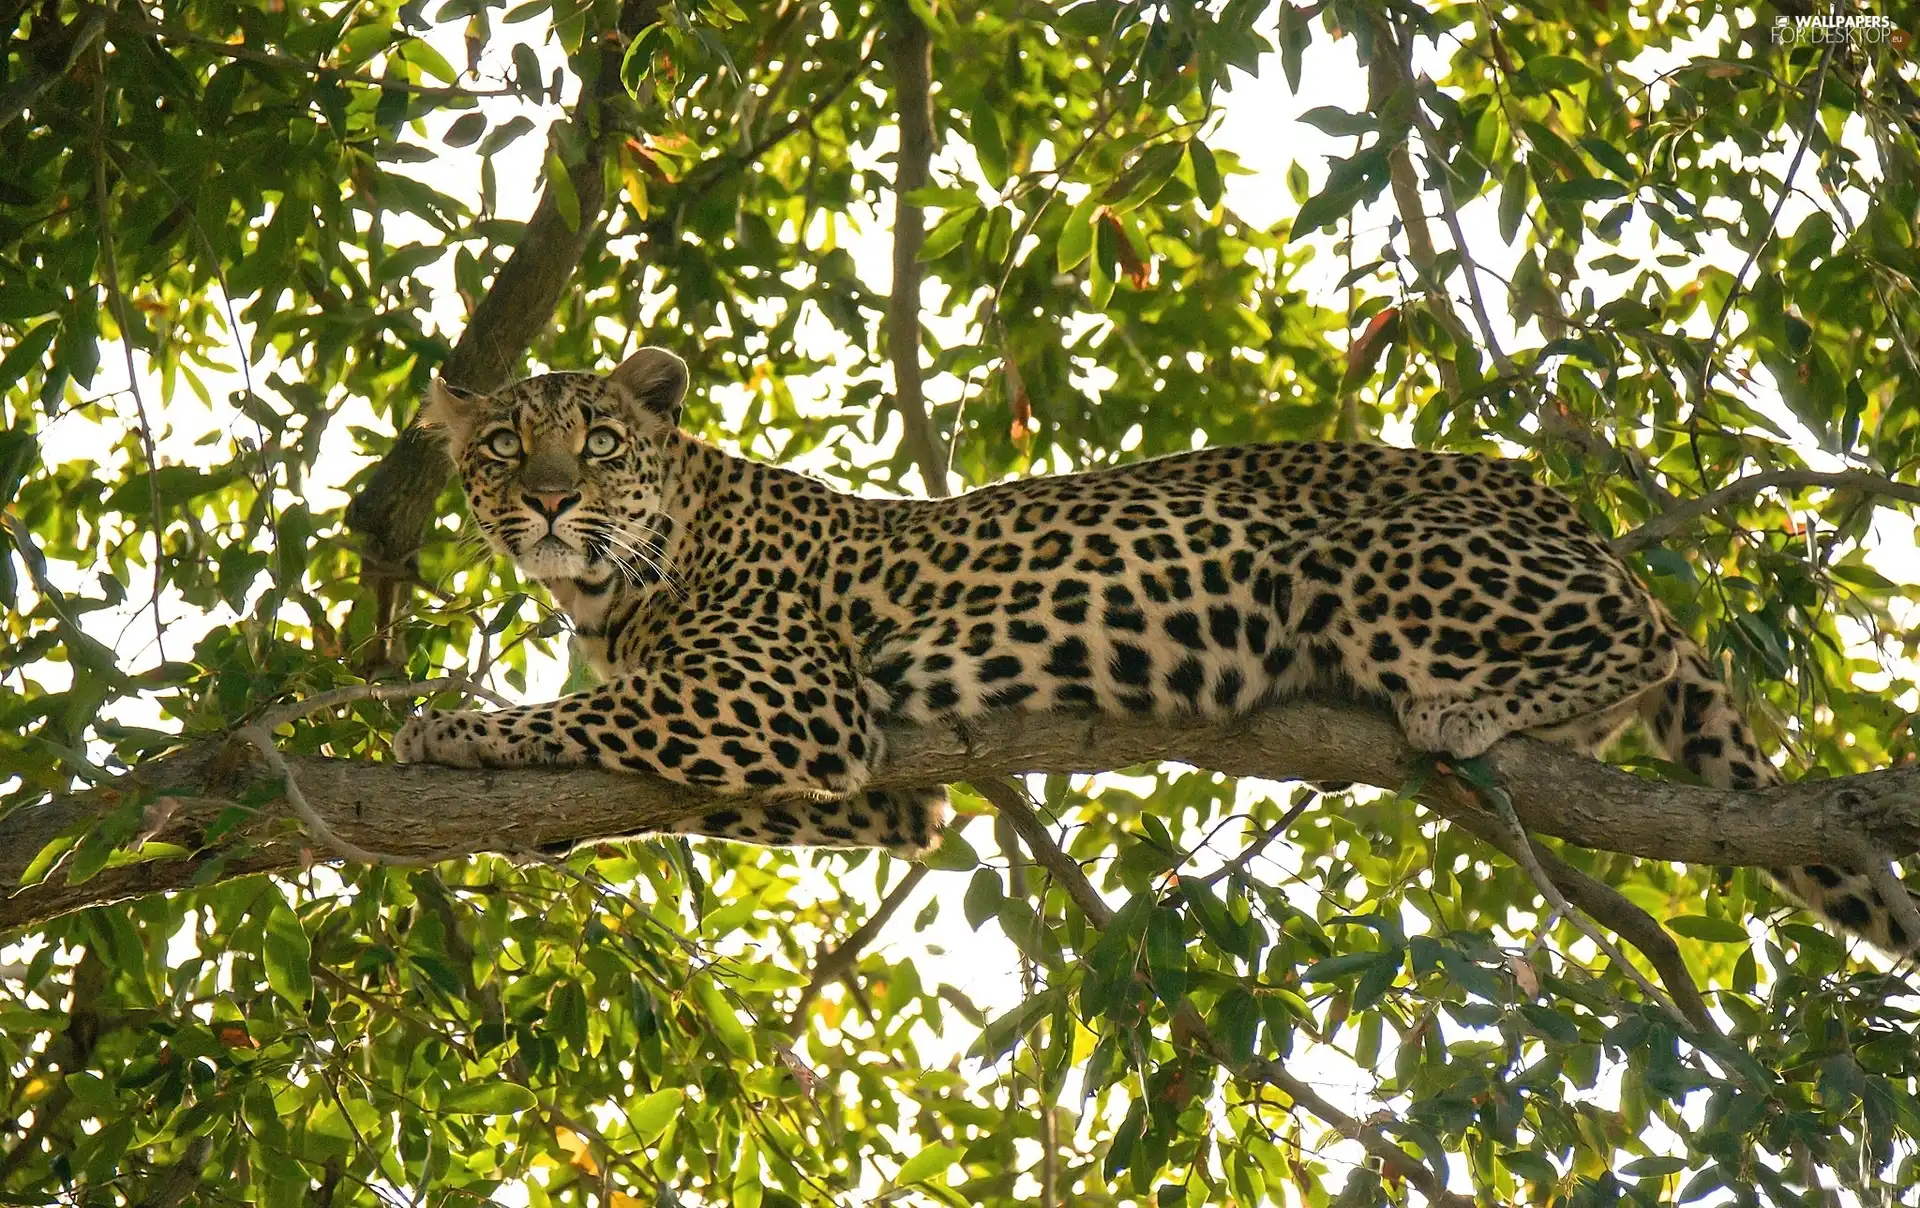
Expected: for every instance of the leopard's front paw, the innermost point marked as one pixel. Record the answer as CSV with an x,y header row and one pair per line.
x,y
458,738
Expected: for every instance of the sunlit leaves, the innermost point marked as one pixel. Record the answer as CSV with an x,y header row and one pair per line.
x,y
628,1030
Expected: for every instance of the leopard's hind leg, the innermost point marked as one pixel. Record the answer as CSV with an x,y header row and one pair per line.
x,y
1472,624
1693,719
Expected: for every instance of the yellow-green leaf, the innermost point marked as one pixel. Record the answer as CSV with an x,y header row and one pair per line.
x,y
655,1112
287,953
932,1160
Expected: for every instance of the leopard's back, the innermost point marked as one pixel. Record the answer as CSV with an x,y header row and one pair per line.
x,y
1213,581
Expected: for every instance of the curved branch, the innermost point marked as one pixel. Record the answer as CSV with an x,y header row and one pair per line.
x,y
417,810
1606,906
1685,512
909,54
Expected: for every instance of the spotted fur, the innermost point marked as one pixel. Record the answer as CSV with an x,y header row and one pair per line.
x,y
756,628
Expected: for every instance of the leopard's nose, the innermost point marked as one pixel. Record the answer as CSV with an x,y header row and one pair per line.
x,y
551,504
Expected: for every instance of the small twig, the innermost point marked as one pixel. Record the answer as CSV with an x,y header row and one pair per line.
x,y
1773,221
1520,847
273,719
1386,77
1397,1161
1544,930
110,269
1681,514
839,961
1252,851
1016,807
705,174
1450,214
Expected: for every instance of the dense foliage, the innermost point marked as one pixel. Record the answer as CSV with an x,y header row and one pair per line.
x,y
277,217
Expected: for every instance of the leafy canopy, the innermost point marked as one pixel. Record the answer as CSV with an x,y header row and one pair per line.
x,y
310,197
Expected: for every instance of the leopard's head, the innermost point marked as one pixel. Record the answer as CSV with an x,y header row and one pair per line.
x,y
564,472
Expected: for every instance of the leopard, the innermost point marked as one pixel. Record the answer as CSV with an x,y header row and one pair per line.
x,y
755,630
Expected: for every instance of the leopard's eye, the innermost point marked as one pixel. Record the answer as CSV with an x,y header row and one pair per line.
x,y
602,442
504,443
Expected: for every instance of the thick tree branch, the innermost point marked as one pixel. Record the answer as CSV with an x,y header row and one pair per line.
x,y
1683,513
419,810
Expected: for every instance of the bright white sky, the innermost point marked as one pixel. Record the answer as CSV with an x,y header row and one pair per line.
x,y
1259,124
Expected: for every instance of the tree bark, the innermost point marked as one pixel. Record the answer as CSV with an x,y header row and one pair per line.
x,y
909,53
422,810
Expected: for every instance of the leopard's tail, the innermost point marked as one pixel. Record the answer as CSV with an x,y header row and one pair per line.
x,y
1693,718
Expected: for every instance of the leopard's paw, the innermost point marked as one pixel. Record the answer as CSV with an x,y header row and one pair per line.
x,y
456,738
1462,729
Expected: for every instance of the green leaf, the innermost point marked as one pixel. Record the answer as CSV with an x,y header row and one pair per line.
x,y
1076,237
984,896
989,141
954,854
1654,1167
50,852
930,1161
467,128
1206,173
492,1097
502,135
1235,1019
526,71
652,1114
1148,175
1211,913
27,352
1100,281
1711,930
1351,182
1167,954
1331,120
948,234
1299,186
1558,71
287,954
1341,967
1513,200
719,1015
560,188
1592,188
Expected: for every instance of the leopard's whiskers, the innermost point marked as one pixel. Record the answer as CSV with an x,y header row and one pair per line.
x,y
650,556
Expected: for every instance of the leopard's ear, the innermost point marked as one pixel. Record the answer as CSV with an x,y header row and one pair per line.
x,y
451,411
654,380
